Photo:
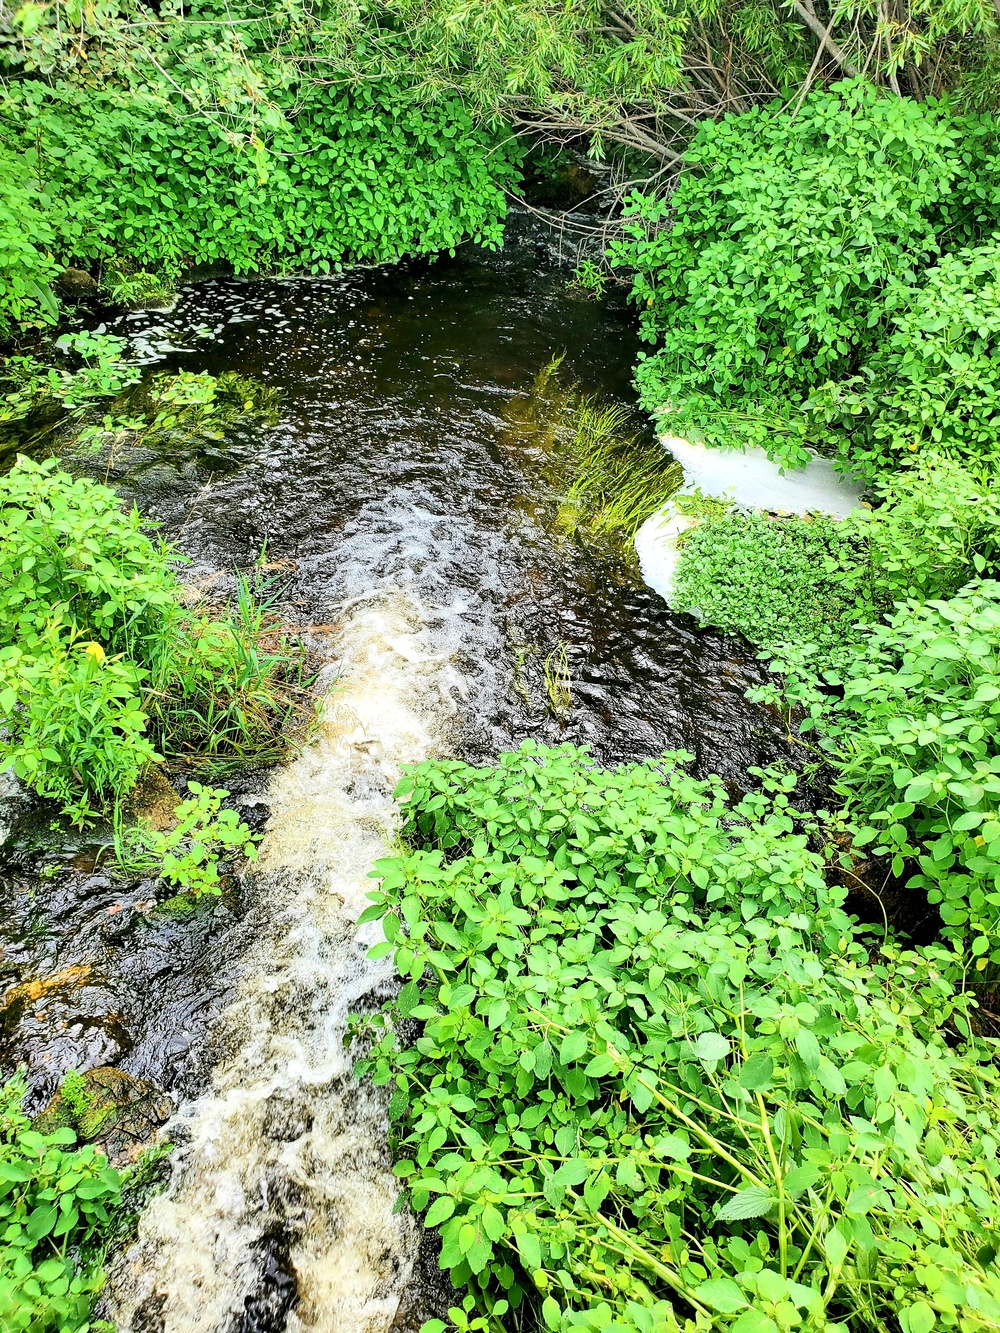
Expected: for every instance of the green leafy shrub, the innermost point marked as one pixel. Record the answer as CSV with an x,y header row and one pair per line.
x,y
779,263
99,658
821,582
772,580
933,383
74,718
914,743
934,526
55,1204
134,176
27,268
188,855
657,1083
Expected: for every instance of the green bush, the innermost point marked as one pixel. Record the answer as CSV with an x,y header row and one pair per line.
x,y
933,383
782,581
772,580
782,260
27,268
657,1083
55,1203
122,174
910,726
100,661
934,526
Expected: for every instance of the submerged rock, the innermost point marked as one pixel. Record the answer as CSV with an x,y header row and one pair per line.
x,y
109,1107
40,988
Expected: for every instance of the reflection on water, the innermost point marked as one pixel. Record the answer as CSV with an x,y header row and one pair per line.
x,y
391,498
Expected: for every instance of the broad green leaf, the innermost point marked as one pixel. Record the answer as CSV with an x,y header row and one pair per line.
x,y
750,1202
722,1294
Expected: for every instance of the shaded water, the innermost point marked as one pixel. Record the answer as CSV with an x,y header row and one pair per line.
x,y
404,514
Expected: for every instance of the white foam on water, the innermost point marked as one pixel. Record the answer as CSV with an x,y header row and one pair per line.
x,y
287,1137
750,480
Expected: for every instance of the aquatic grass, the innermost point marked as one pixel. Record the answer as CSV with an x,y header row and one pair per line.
x,y
604,479
621,480
558,682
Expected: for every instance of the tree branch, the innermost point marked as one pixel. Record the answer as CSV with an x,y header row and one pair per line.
x,y
808,17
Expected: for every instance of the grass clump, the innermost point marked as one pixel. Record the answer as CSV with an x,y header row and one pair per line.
x,y
603,479
661,1082
103,669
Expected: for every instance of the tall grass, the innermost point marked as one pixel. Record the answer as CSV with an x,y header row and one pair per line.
x,y
230,689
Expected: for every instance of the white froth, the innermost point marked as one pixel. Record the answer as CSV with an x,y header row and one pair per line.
x,y
750,480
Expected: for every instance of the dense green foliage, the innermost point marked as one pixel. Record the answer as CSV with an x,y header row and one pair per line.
x,y
911,730
56,1201
658,1082
789,580
773,581
364,175
806,283
100,661
826,275
139,137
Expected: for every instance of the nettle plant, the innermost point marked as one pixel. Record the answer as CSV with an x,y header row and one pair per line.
x,y
645,1077
188,855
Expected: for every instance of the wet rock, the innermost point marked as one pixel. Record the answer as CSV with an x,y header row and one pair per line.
x,y
76,282
29,992
275,1294
111,1108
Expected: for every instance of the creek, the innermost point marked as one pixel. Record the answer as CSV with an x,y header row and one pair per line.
x,y
405,519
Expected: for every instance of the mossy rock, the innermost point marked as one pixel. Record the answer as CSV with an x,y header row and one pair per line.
x,y
109,1107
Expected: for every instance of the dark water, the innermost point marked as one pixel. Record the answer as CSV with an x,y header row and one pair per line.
x,y
391,465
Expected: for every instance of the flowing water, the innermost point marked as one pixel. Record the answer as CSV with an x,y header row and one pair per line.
x,y
405,516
